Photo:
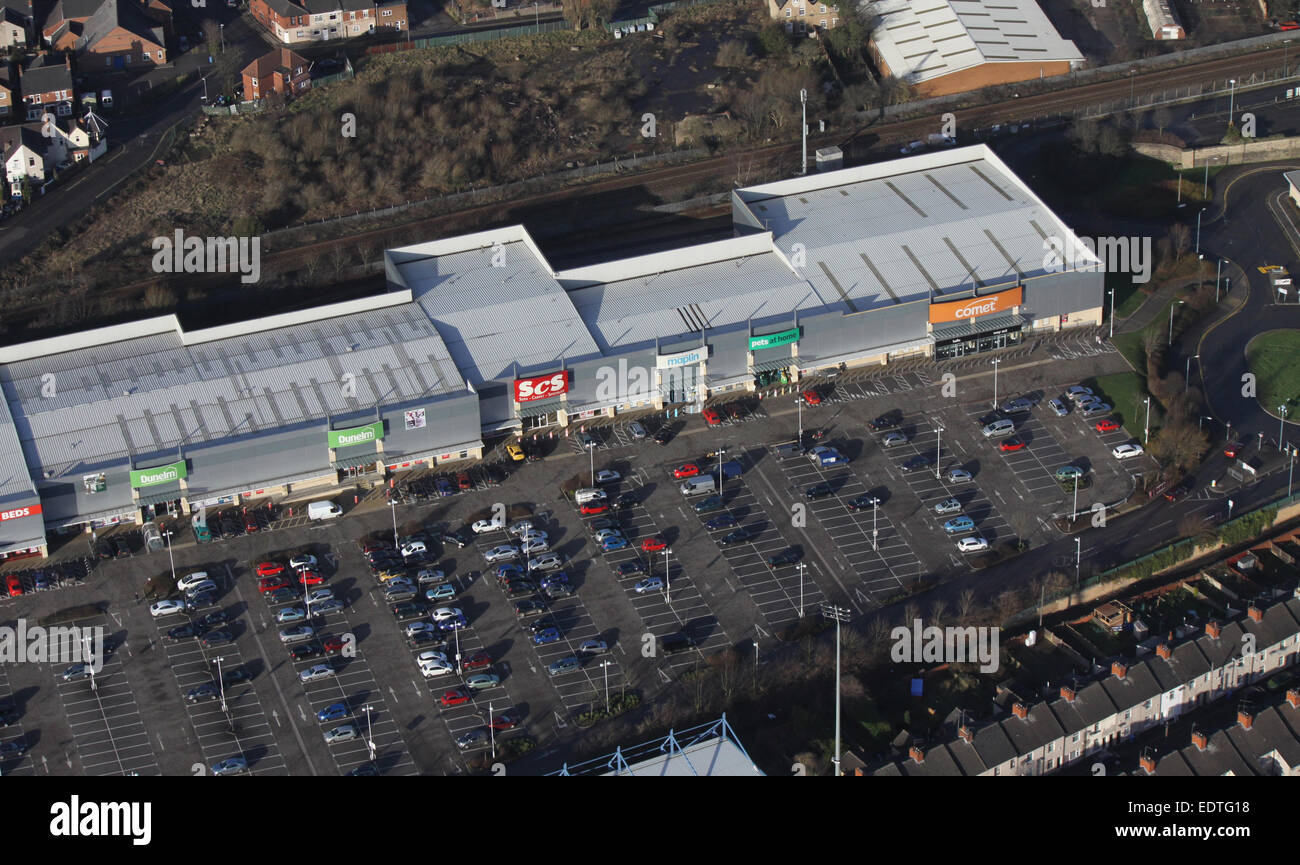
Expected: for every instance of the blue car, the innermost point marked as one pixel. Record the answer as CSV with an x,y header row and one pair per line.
x,y
509,570
725,521
549,635
455,623
959,524
556,579
444,487
445,592
609,545
332,712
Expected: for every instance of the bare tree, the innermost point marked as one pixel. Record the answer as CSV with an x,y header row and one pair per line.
x,y
965,604
1022,522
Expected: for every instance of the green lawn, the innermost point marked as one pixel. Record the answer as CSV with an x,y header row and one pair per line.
x,y
1126,392
1127,298
1273,358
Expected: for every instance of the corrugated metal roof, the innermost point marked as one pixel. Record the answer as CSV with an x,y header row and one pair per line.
x,y
15,480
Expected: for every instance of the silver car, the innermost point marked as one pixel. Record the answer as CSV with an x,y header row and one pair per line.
x,y
297,634
948,506
1017,405
893,438
1096,409
1058,407
635,430
312,674
503,553
341,733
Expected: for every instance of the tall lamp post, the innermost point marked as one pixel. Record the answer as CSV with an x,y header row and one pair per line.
x,y
995,363
938,431
221,682
1281,410
839,614
370,738
1078,556
1290,473
605,666
875,506
392,504
799,404
1187,374
801,567
1171,319
1199,213
1232,88
1146,429
1112,313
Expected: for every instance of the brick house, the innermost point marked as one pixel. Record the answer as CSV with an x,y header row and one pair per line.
x,y
26,154
6,101
111,34
801,16
46,85
321,20
281,71
17,24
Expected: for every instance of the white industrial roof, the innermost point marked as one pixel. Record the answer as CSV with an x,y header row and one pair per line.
x,y
909,229
924,39
495,302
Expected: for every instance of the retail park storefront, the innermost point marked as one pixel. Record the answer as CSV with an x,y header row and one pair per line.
x,y
773,357
539,400
976,325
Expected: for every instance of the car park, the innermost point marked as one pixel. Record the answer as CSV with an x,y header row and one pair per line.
x,y
166,608
316,673
1127,451
481,681
958,525
564,665
649,584
948,506
972,545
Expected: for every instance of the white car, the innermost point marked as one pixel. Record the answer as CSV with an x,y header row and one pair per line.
x,y
297,634
166,608
427,657
418,628
534,544
607,476
1123,452
191,580
482,527
414,547
311,674
432,669
523,527
503,553
342,733
972,545
442,614
303,563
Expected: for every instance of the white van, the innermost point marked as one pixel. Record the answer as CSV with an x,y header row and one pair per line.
x,y
323,511
589,494
999,428
699,485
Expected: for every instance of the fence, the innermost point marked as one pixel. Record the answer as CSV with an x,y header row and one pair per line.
x,y
255,106
471,36
656,13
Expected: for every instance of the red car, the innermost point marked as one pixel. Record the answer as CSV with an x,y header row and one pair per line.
x,y
310,578
689,470
505,721
250,524
270,584
1011,444
812,397
14,585
591,508
712,417
1234,450
269,569
333,644
477,661
1107,425
653,544
463,481
455,697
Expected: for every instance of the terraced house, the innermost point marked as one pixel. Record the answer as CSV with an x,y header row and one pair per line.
x,y
16,23
110,34
322,20
46,86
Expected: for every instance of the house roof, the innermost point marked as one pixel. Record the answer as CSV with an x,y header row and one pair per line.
x,y
114,14
27,134
72,9
46,75
279,60
1267,734
921,41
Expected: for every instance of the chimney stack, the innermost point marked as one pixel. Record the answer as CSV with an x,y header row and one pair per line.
x,y
1212,629
1067,693
916,753
1245,718
1020,710
1148,764
965,733
1293,697
1200,740
1255,613
1119,669
1164,651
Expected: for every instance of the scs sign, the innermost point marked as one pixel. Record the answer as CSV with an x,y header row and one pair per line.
x,y
19,513
541,387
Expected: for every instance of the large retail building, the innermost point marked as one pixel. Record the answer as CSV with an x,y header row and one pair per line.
x,y
939,255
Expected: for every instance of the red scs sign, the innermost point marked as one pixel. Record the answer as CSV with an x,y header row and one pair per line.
x,y
541,387
19,513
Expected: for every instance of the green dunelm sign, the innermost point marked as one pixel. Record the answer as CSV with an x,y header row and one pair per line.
x,y
772,340
357,435
158,475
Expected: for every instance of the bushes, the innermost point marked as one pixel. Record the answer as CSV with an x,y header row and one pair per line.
x,y
618,704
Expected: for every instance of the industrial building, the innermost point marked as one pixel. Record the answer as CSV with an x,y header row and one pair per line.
x,y
938,255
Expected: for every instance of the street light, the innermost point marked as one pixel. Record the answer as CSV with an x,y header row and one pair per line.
x,y
1112,313
937,441
1074,514
1198,231
668,586
1230,503
1187,374
1078,556
1200,424
801,567
221,28
755,642
605,666
370,738
799,403
1281,410
392,504
1171,319
221,683
1146,429
839,614
1130,87
1232,87
168,535
89,659
875,506
995,363
1290,473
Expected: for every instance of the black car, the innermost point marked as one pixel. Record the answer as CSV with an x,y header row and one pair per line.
x,y
520,588
365,769
218,638
495,474
455,538
409,610
216,617
13,749
281,596
915,464
674,643
625,500
862,503
663,436
631,568
230,528
185,631
559,590
786,557
120,547
739,536
818,491
529,607
206,691
1179,490
603,523
103,548
888,420
542,624
303,651
201,601
238,674
428,640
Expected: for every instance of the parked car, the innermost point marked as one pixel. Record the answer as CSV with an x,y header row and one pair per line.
x,y
972,545
1127,451
958,525
230,766
688,470
631,568
1106,425
888,420
783,558
811,397
564,665
593,647
1012,444
723,521
341,733
818,491
635,430
1077,392
664,435
502,553
1097,409
711,417
316,673
481,527
649,584
480,681
915,464
958,476
332,712
444,592
166,608
607,476
1019,404
1058,407
948,506
892,439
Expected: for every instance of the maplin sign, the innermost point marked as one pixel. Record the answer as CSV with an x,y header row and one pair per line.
x,y
357,435
157,475
973,307
682,358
